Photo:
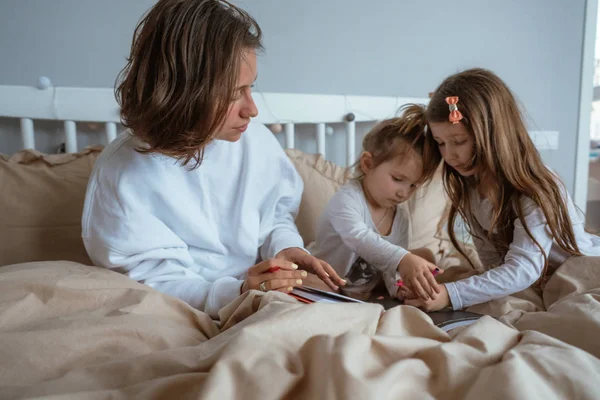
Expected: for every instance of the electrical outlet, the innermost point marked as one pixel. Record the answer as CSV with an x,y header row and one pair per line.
x,y
545,140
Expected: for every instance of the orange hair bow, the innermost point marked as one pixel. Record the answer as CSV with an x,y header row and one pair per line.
x,y
455,115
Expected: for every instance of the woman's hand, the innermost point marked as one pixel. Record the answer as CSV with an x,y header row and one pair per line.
x,y
418,274
273,274
442,300
314,265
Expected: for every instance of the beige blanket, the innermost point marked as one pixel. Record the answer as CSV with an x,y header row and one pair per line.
x,y
74,331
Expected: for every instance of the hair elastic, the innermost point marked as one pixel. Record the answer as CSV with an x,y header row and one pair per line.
x,y
455,115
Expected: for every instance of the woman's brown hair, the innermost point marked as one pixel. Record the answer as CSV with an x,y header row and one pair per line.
x,y
505,154
395,136
181,74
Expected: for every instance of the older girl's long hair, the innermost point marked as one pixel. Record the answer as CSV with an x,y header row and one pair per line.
x,y
181,74
505,154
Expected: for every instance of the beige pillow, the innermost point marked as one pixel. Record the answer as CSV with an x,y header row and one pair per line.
x,y
42,200
41,205
322,179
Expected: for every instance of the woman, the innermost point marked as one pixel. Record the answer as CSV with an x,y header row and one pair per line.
x,y
194,199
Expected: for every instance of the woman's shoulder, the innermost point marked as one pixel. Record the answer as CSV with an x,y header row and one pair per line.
x,y
122,158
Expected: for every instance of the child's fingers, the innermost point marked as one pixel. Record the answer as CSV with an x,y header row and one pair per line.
x,y
418,289
432,282
411,288
405,293
427,287
404,290
434,269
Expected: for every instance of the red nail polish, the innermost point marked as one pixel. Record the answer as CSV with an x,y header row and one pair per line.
x,y
274,269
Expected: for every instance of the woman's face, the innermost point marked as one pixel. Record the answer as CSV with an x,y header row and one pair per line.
x,y
456,145
242,109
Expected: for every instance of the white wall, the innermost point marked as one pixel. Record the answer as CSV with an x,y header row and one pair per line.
x,y
399,48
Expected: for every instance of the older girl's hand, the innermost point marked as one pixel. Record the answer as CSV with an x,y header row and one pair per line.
x,y
442,300
273,274
418,274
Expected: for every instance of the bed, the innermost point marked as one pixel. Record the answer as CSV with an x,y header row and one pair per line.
x,y
72,330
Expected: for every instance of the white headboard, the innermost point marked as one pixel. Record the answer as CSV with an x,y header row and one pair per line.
x,y
281,111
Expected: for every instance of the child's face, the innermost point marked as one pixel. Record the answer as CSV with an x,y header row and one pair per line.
x,y
456,144
394,181
243,107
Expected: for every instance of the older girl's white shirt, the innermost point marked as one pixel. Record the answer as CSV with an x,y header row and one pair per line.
x,y
523,264
194,233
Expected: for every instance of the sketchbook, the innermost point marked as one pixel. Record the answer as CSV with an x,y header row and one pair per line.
x,y
307,294
446,319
